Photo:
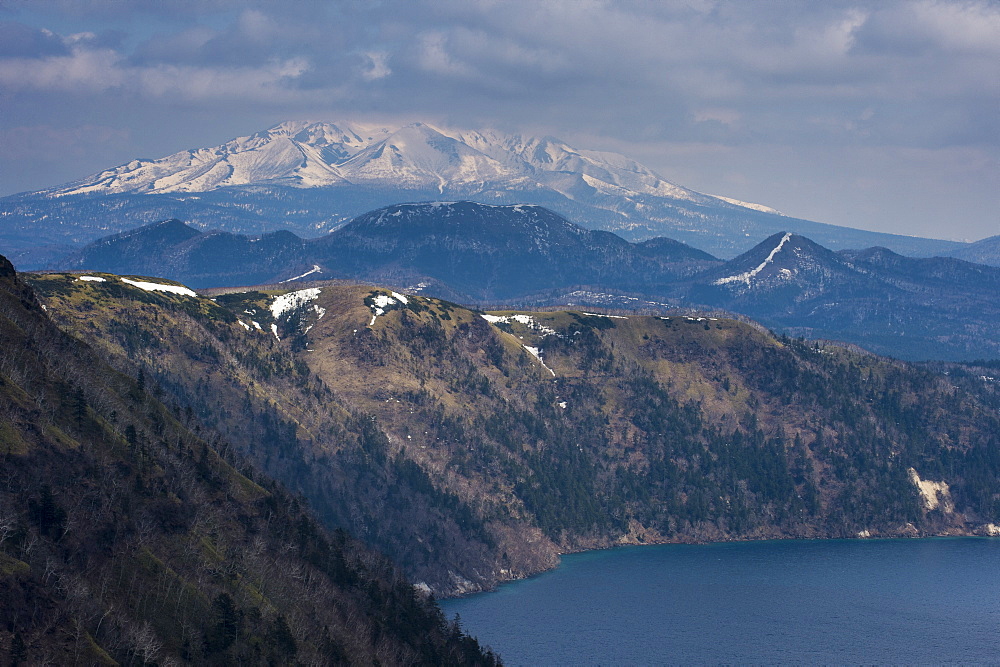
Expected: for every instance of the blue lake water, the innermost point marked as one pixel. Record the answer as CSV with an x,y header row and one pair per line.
x,y
927,601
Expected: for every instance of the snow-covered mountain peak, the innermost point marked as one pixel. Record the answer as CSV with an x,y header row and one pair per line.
x,y
747,276
417,156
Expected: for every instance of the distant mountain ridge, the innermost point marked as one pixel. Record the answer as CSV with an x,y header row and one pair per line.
x,y
984,251
311,178
932,308
913,308
462,250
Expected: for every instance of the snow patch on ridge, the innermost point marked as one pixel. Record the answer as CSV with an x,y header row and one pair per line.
x,y
526,320
314,269
746,276
380,303
537,354
750,205
159,287
286,302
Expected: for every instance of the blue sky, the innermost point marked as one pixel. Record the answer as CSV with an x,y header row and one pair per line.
x,y
879,115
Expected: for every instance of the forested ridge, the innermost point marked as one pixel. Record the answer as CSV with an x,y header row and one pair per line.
x,y
131,534
474,448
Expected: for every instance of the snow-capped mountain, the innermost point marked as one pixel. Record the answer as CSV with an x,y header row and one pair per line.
x,y
784,264
312,177
914,308
293,153
416,156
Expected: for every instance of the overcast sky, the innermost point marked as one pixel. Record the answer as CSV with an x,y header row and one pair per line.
x,y
881,115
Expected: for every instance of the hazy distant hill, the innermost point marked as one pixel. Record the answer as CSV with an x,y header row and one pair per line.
x,y
312,177
472,251
932,308
986,251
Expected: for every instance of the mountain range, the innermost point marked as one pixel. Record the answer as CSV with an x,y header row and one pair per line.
x,y
311,178
463,250
913,308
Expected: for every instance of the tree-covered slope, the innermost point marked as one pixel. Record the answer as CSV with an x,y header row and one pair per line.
x,y
128,537
473,448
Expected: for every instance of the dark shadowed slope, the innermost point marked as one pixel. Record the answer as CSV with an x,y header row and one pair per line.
x,y
126,538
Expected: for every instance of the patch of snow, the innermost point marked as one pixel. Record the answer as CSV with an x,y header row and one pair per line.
x,y
745,277
314,269
537,354
92,279
526,320
381,301
244,325
256,325
286,302
746,204
159,287
562,404
274,330
613,317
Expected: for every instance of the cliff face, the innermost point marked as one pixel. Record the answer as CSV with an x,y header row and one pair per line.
x,y
473,447
131,534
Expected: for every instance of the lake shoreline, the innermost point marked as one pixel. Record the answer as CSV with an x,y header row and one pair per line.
x,y
908,532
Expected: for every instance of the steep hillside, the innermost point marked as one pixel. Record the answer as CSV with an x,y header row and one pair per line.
x,y
473,448
130,534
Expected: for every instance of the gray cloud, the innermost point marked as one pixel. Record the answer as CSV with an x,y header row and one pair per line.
x,y
702,81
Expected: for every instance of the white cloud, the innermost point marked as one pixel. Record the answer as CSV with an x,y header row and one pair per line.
x,y
84,70
204,83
